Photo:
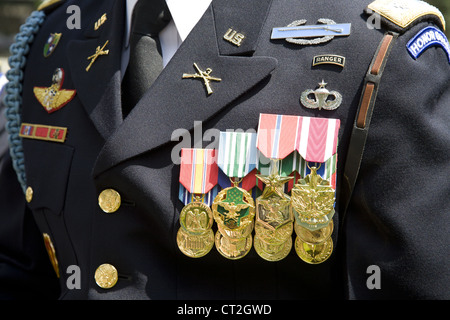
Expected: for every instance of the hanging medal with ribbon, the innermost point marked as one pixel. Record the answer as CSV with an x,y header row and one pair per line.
x,y
273,228
313,196
305,149
234,207
198,185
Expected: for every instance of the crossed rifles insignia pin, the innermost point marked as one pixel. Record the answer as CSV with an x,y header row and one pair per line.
x,y
203,75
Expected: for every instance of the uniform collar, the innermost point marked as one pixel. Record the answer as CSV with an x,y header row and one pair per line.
x,y
185,14
147,123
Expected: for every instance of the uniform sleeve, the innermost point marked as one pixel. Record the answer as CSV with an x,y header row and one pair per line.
x,y
25,270
399,217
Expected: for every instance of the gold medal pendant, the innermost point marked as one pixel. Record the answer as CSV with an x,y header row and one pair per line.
x,y
198,177
234,209
313,201
314,237
298,141
195,238
314,254
231,248
273,229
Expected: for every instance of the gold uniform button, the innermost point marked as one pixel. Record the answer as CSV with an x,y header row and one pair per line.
x,y
29,194
106,276
109,200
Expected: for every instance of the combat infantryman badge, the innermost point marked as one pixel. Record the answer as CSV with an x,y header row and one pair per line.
x,y
54,97
321,98
297,33
51,44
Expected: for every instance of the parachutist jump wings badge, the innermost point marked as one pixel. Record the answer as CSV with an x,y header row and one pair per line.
x,y
321,98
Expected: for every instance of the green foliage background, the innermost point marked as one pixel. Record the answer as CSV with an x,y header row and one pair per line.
x,y
444,6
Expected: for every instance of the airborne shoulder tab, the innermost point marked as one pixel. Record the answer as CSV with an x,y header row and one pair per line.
x,y
403,14
49,5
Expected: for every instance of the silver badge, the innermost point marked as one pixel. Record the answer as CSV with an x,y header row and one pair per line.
x,y
296,31
321,98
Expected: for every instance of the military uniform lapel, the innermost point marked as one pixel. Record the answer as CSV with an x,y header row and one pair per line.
x,y
175,102
98,88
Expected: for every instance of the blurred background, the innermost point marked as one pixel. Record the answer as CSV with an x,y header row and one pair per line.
x,y
14,12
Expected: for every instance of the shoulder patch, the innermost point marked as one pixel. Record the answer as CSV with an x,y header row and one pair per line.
x,y
404,13
425,38
48,5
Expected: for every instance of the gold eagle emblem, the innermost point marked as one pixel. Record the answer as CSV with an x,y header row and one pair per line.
x,y
313,199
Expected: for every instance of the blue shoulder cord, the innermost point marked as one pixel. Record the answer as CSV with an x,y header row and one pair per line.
x,y
13,99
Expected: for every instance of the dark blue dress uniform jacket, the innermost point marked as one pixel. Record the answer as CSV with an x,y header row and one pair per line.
x,y
398,217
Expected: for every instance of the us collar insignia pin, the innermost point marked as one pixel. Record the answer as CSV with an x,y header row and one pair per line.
x,y
51,44
100,22
100,51
234,37
54,97
203,75
320,98
297,33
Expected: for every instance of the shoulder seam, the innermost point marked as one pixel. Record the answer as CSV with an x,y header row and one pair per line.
x,y
405,14
49,5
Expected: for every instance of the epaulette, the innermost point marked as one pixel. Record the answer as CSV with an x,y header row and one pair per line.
x,y
400,15
49,5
